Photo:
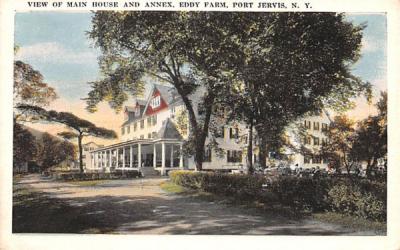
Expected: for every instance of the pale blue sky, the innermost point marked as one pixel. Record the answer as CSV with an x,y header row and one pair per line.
x,y
56,44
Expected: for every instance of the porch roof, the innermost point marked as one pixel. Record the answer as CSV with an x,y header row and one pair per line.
x,y
136,142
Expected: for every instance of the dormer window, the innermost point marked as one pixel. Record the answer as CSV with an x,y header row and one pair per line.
x,y
137,111
155,102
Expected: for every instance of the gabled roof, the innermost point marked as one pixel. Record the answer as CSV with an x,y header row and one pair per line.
x,y
168,94
132,109
168,131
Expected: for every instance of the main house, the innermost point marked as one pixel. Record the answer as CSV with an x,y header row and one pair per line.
x,y
154,130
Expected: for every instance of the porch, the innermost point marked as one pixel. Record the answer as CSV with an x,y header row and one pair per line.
x,y
135,155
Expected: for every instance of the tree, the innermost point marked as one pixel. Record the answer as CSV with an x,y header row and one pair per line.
x,y
30,89
284,65
80,127
371,137
295,65
53,151
189,50
24,146
340,143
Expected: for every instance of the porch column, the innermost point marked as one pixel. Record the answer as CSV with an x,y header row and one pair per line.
x,y
163,158
123,157
131,156
91,160
171,163
117,154
154,156
103,157
109,161
97,160
181,156
139,149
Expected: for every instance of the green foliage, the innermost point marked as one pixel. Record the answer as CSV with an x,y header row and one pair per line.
x,y
30,88
370,142
238,186
24,145
351,200
301,193
340,143
52,151
362,198
79,126
271,68
96,176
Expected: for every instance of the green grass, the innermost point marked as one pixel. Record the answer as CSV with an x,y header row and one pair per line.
x,y
350,221
172,187
87,183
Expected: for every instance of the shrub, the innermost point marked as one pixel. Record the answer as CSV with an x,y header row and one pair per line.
x,y
234,185
355,200
362,198
301,193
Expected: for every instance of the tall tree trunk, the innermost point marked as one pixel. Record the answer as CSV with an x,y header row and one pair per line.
x,y
368,170
250,148
263,150
80,136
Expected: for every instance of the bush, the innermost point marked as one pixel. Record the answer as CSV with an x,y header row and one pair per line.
x,y
362,198
352,200
233,185
301,193
96,176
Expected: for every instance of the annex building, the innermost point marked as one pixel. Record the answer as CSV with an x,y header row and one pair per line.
x,y
154,130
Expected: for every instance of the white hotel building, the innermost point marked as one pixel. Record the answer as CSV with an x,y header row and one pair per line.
x,y
152,138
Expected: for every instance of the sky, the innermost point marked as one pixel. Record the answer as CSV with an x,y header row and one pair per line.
x,y
56,44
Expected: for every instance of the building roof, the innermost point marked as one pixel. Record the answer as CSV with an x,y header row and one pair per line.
x,y
168,131
168,94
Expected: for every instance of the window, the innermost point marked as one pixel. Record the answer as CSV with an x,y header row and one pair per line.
x,y
149,135
155,102
128,129
307,124
149,121
154,135
220,132
135,126
324,127
316,159
316,125
307,159
307,140
233,133
234,156
142,137
154,120
207,155
142,124
316,141
323,141
123,130
137,111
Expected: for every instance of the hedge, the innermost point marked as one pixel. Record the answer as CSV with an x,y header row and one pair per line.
x,y
362,198
96,176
